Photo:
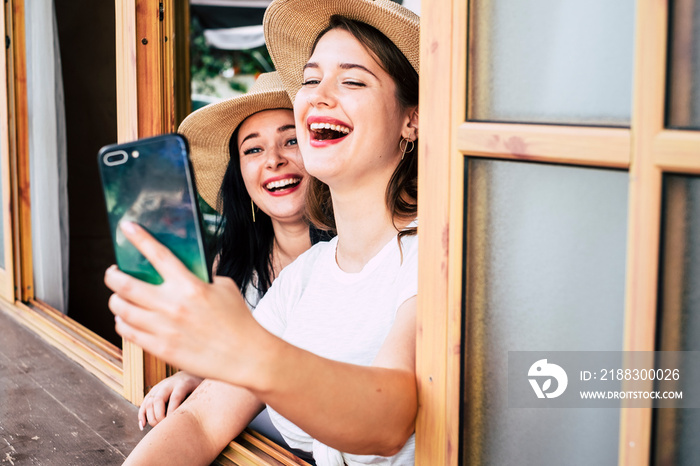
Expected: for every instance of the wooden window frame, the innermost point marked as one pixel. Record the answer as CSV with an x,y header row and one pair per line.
x,y
126,371
647,150
80,344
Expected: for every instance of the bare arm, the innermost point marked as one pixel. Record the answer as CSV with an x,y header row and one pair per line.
x,y
199,430
167,394
207,330
355,409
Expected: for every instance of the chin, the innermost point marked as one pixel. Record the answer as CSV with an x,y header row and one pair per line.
x,y
321,167
287,210
292,217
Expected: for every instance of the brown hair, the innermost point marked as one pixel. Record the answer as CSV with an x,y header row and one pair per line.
x,y
402,190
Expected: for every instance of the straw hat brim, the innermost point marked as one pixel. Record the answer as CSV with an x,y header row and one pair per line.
x,y
209,130
291,28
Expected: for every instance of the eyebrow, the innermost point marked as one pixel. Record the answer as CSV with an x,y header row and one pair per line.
x,y
343,66
349,66
281,129
251,135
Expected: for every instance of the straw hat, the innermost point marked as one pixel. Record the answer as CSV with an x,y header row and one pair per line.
x,y
291,28
209,130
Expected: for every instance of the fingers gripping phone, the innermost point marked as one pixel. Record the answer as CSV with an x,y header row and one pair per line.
x,y
150,182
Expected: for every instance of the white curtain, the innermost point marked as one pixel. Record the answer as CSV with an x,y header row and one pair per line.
x,y
242,38
47,156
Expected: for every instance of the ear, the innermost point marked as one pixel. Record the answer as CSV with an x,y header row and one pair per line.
x,y
410,129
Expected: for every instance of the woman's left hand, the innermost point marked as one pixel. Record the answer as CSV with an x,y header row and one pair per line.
x,y
205,329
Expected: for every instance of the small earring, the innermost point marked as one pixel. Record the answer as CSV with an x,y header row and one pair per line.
x,y
403,145
252,209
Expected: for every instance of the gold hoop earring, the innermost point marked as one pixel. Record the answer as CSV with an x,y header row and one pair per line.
x,y
403,145
252,209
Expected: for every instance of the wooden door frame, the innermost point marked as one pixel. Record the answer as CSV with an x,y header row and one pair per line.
x,y
19,150
7,285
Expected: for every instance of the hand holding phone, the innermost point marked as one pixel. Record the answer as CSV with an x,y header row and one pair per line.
x,y
150,182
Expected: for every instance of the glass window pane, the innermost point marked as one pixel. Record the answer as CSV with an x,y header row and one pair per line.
x,y
684,69
552,61
677,430
227,49
545,266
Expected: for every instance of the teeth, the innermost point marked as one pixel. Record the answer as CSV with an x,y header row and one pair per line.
x,y
339,128
282,183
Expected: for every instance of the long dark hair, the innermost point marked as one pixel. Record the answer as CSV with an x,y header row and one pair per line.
x,y
402,190
243,247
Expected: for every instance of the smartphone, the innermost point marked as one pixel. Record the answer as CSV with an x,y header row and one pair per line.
x,y
150,182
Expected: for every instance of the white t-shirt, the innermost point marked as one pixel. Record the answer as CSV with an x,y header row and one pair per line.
x,y
346,317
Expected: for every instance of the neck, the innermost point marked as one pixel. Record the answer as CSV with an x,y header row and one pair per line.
x,y
291,239
364,226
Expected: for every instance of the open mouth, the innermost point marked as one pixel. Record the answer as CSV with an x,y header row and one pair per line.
x,y
281,185
328,131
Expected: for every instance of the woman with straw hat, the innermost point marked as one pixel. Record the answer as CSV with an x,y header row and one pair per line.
x,y
247,166
331,347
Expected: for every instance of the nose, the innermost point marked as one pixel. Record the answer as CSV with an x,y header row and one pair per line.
x,y
322,94
275,158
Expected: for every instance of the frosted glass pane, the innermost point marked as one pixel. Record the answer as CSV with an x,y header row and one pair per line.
x,y
545,268
684,70
677,430
552,61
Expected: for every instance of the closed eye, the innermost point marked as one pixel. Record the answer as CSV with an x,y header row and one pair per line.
x,y
309,82
354,83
